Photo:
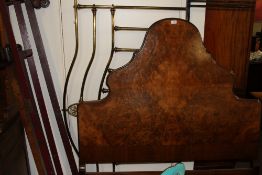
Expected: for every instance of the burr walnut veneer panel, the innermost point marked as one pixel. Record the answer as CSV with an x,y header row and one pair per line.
x,y
172,102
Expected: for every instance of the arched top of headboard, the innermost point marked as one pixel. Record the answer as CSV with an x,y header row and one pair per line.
x,y
171,102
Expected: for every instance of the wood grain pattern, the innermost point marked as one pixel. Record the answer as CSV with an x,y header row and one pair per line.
x,y
170,103
228,36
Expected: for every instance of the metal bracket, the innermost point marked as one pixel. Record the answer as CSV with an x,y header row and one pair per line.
x,y
40,3
27,53
6,57
72,110
45,3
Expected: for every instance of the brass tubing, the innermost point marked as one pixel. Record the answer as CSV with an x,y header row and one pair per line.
x,y
117,28
188,3
80,6
111,54
68,78
116,49
93,54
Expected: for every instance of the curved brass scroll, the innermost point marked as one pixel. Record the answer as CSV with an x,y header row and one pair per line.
x,y
93,53
74,58
69,74
112,51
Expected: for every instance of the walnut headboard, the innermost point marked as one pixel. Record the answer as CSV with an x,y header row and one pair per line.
x,y
172,102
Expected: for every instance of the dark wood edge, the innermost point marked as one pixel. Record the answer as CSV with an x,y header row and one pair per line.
x,y
50,85
37,87
21,87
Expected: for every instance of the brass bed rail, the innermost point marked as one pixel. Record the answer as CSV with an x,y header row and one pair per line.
x,y
80,6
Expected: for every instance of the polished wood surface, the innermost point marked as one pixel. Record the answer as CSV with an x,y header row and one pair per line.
x,y
228,36
172,102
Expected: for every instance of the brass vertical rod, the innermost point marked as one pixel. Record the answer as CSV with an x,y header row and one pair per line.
x,y
94,9
188,4
112,51
68,76
80,6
